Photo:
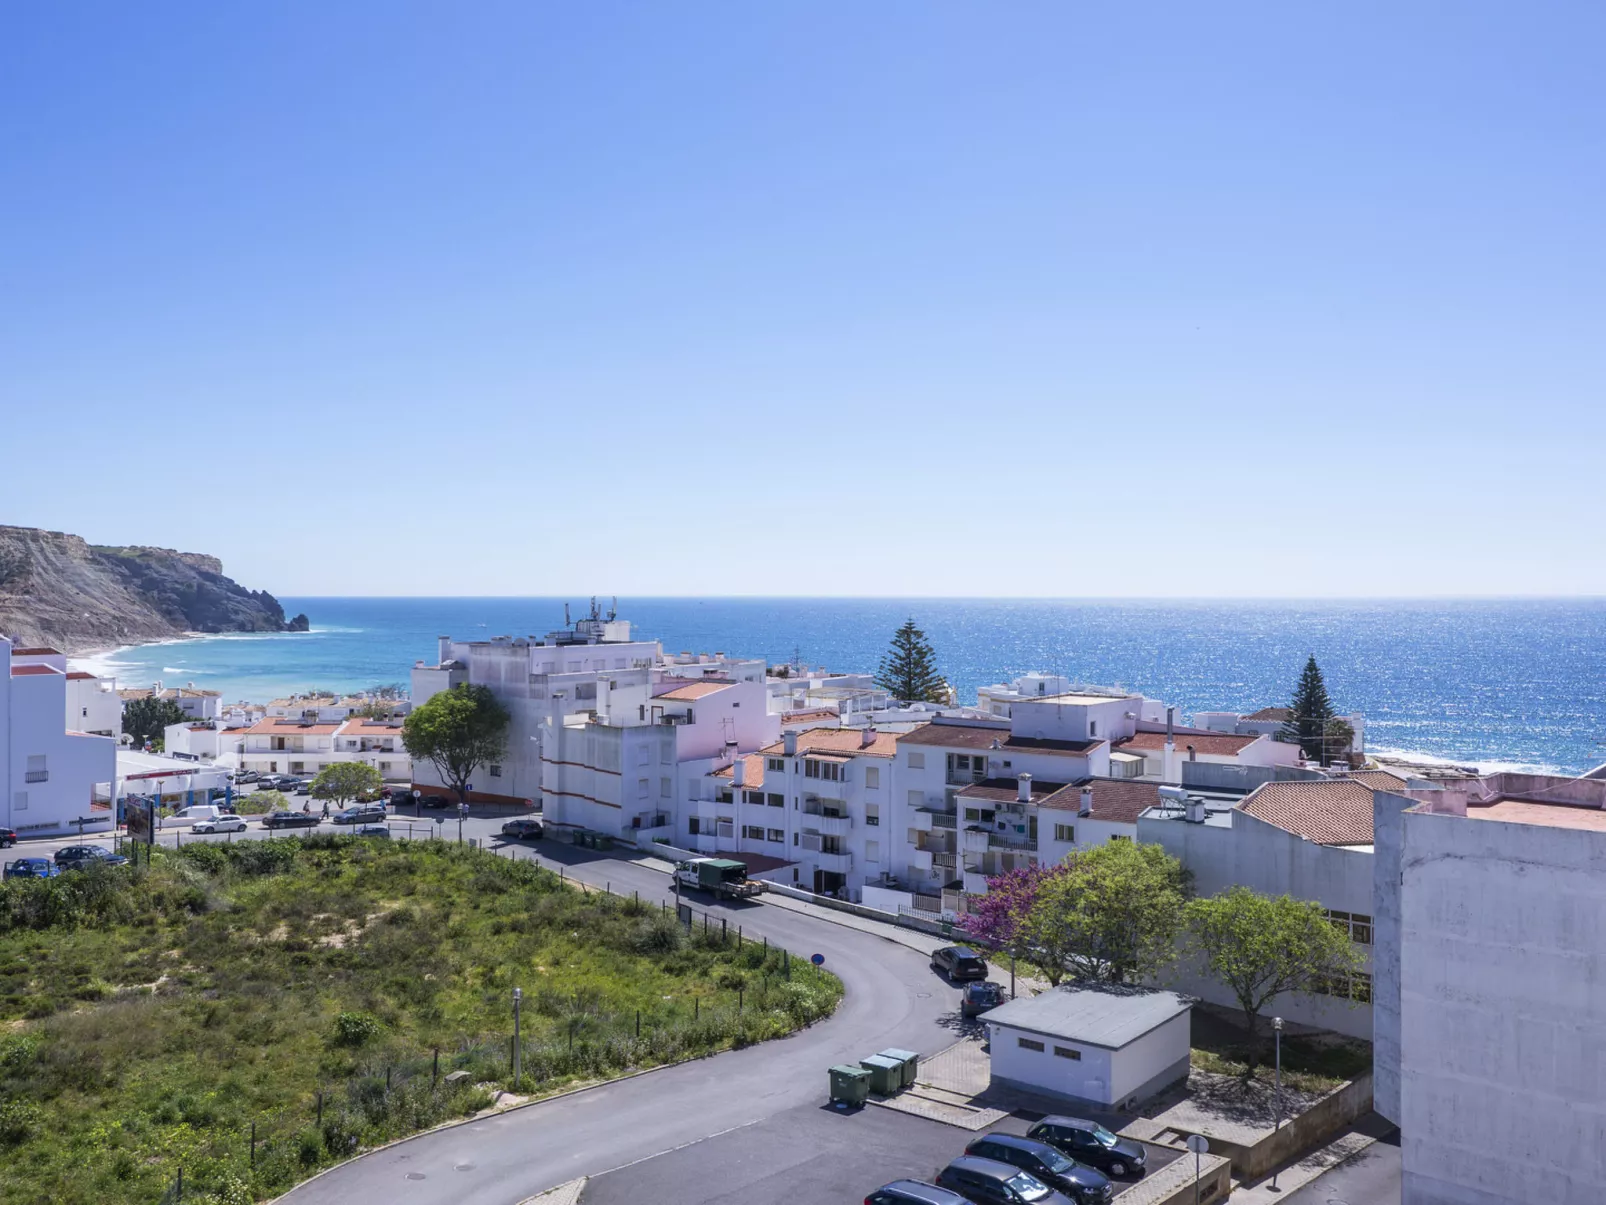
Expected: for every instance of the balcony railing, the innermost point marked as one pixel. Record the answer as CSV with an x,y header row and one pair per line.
x,y
36,776
828,826
944,820
965,778
1011,841
945,861
835,863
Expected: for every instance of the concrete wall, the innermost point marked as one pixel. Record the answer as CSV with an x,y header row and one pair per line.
x,y
1502,1013
1388,836
72,765
1109,1078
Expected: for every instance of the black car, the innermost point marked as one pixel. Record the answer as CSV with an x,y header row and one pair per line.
x,y
1054,1168
523,830
76,857
290,820
434,801
1090,1143
977,998
959,963
287,784
8,836
988,1182
362,813
914,1192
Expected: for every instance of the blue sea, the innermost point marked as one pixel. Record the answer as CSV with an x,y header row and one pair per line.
x,y
1499,683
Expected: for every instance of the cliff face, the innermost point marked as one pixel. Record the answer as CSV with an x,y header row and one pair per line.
x,y
59,590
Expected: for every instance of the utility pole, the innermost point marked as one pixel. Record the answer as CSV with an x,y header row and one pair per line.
x,y
518,1053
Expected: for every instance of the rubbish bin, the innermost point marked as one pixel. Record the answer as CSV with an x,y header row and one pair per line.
x,y
886,1075
908,1060
849,1085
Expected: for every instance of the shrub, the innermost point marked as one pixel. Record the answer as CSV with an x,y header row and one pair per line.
x,y
356,1028
18,1120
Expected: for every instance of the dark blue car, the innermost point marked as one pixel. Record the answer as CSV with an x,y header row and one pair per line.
x,y
1082,1184
32,868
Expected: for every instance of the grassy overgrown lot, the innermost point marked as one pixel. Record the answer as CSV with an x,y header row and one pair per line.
x,y
149,1016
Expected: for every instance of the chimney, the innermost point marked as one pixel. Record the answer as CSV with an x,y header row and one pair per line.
x,y
1170,728
1087,802
739,772
1196,811
1023,787
867,737
445,650
789,743
1193,754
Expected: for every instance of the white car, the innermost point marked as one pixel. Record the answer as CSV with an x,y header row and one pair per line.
x,y
220,824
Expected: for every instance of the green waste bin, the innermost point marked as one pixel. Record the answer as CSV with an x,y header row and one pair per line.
x,y
908,1060
886,1075
849,1085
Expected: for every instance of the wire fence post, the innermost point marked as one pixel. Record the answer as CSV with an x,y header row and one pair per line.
x,y
320,1110
435,1069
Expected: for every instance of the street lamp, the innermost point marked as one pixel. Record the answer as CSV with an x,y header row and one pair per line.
x,y
518,1053
1277,1038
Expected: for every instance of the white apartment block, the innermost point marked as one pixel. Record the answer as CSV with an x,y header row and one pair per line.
x,y
93,705
278,745
1269,721
195,703
54,775
328,709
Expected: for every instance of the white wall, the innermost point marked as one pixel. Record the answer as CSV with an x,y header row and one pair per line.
x,y
1503,1020
1088,1078
72,766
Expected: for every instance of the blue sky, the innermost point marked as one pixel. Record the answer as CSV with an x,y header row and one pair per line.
x,y
904,298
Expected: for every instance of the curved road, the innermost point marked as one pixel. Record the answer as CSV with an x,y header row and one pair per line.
x,y
892,999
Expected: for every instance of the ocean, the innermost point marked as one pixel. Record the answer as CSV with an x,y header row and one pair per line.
x,y
1505,684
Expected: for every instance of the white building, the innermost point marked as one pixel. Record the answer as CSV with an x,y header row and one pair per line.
x,y
999,700
1310,840
327,708
55,777
171,779
1102,1047
1269,721
279,745
196,704
1492,1042
93,705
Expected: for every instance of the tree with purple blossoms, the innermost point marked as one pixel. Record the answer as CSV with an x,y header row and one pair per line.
x,y
1000,919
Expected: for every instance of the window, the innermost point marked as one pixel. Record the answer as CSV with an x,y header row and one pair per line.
x,y
872,851
774,800
1119,837
753,832
917,761
777,764
643,755
664,788
496,771
917,799
872,778
1092,727
1356,987
1029,1044
1065,832
776,835
753,797
691,825
19,801
36,772
830,771
1357,924
872,814
643,788
1065,1052
574,667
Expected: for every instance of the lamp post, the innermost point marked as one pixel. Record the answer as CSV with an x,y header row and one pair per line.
x,y
1277,1039
518,1053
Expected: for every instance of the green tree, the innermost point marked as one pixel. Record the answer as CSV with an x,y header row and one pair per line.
x,y
909,670
1308,714
1260,947
144,720
1112,913
1337,737
457,731
342,782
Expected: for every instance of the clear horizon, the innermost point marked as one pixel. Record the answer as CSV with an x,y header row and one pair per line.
x,y
1249,301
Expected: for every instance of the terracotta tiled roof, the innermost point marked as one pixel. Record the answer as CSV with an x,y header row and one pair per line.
x,y
1117,800
1216,744
1378,780
1332,812
42,651
957,736
1007,790
1042,744
279,725
78,675
755,772
1271,713
693,690
839,740
18,671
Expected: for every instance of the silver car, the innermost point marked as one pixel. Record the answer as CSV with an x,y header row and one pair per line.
x,y
220,824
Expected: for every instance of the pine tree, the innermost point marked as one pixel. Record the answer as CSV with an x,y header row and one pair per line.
x,y
909,670
1310,710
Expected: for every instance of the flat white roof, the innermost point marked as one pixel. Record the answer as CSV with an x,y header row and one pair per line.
x,y
1111,1017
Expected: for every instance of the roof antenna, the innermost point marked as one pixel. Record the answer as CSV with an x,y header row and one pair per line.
x,y
567,622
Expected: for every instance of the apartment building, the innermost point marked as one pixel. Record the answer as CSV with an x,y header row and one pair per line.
x,y
93,705
196,704
330,709
54,775
1269,721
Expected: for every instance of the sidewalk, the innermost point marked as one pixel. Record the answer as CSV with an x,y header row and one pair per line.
x,y
1300,1172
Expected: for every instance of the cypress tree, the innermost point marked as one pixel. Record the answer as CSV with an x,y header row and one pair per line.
x,y
1310,710
909,670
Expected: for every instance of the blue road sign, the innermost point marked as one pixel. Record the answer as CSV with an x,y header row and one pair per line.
x,y
817,959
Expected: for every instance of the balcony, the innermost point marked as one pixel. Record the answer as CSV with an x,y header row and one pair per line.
x,y
944,820
920,859
835,863
1011,840
920,820
827,826
36,776
975,882
974,840
965,778
945,861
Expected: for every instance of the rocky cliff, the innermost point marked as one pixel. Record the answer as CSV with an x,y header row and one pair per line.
x,y
60,590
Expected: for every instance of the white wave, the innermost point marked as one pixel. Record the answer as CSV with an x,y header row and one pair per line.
x,y
1417,757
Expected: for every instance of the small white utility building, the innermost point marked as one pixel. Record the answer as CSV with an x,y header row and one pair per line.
x,y
1092,1045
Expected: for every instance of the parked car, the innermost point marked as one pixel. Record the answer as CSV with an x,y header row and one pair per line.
x,y
247,776
76,857
1090,1143
978,997
267,782
224,823
434,801
362,813
988,1182
959,963
8,836
32,868
290,820
523,830
371,830
914,1192
1054,1168
304,787
286,784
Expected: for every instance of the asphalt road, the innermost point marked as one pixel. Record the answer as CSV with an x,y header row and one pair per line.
x,y
1371,1177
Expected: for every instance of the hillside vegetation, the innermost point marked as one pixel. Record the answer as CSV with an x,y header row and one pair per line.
x,y
152,1015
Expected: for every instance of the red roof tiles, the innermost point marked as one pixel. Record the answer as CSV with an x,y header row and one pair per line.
x,y
19,671
1215,744
1332,812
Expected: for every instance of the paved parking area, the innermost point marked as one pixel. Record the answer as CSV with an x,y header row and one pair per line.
x,y
805,1156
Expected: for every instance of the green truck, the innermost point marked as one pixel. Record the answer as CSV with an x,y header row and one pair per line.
x,y
721,876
